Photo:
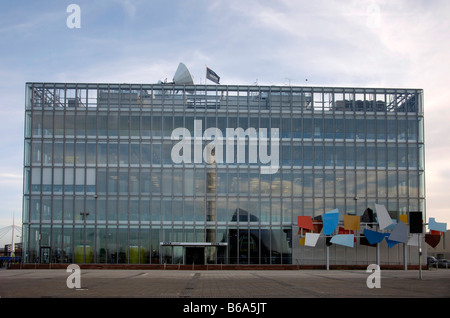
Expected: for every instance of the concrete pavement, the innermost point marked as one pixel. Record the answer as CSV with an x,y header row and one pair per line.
x,y
245,284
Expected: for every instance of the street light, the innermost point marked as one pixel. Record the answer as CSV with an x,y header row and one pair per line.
x,y
84,215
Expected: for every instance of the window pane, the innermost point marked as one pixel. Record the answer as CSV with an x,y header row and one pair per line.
x,y
221,182
391,129
167,153
189,210
382,184
102,153
318,183
167,126
36,152
36,125
134,183
113,123
401,129
57,180
372,183
101,209
307,127
329,128
156,126
112,209
155,209
167,182
146,123
81,124
392,156
413,185
370,128
402,156
91,153
123,155
328,156
392,183
48,124
340,183
307,183
402,183
412,157
178,182
199,182
145,154
286,128
286,183
371,155
350,156
296,127
134,153
265,210
91,125
135,122
58,154
381,156
412,130
381,129
123,209
156,183
59,125
68,208
156,153
199,210
80,153
360,128
102,125
360,156
349,128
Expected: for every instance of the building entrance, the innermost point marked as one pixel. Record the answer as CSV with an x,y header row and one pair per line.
x,y
45,254
197,253
194,255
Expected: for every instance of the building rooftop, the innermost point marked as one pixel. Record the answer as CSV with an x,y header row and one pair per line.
x,y
216,97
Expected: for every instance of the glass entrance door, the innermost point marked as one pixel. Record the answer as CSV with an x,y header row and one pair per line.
x,y
45,254
195,255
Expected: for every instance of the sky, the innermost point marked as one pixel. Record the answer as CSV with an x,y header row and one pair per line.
x,y
395,44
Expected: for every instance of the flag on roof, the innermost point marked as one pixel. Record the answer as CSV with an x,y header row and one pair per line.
x,y
212,76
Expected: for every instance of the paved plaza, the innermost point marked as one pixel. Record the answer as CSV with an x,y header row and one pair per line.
x,y
52,283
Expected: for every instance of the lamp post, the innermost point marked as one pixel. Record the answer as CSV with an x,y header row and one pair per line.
x,y
84,215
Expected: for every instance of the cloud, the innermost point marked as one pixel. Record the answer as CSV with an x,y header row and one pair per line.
x,y
320,40
129,7
10,176
330,43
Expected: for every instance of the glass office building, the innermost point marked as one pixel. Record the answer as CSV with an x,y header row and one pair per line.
x,y
108,178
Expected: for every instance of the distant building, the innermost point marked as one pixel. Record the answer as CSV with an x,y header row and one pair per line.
x,y
6,237
442,250
17,250
107,180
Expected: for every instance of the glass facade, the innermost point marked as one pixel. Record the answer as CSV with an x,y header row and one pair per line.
x,y
108,180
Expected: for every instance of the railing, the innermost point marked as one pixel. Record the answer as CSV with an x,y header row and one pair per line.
x,y
215,97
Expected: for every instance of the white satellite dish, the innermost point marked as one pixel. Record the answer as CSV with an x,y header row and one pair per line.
x,y
183,76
